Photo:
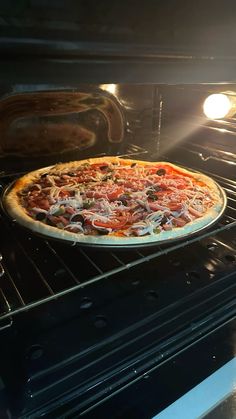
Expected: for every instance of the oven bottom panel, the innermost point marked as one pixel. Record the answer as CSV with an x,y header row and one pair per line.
x,y
94,342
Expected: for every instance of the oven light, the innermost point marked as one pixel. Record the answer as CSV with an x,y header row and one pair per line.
x,y
217,106
111,88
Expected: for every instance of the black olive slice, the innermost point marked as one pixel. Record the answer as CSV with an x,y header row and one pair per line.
x,y
40,216
103,232
78,218
107,177
151,195
161,172
50,223
133,164
103,168
72,174
164,220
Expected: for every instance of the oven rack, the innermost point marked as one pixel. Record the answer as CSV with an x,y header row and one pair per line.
x,y
36,271
130,150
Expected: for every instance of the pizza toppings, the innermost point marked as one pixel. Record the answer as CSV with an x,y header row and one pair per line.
x,y
40,216
121,198
161,172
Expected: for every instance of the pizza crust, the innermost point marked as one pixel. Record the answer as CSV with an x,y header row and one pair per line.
x,y
17,212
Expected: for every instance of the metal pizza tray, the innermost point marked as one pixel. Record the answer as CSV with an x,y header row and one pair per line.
x,y
168,241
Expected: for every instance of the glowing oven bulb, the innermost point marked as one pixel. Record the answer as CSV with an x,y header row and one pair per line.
x,y
217,106
111,88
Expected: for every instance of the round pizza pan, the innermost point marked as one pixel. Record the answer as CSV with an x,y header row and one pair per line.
x,y
123,246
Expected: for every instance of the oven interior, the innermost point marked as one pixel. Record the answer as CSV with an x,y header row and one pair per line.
x,y
80,324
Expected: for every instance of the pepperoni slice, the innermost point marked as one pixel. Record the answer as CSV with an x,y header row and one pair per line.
x,y
111,193
175,206
114,223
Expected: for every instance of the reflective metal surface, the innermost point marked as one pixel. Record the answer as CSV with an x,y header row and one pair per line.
x,y
45,123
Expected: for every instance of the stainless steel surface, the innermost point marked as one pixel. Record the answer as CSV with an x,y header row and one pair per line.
x,y
29,105
1,267
5,323
1,270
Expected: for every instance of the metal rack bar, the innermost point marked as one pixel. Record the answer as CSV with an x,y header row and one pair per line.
x,y
117,258
185,311
116,270
91,261
19,296
230,218
68,270
231,208
36,268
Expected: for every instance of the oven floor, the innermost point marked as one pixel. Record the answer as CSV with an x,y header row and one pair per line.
x,y
101,338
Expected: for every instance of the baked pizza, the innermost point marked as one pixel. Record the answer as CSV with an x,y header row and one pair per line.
x,y
115,201
54,138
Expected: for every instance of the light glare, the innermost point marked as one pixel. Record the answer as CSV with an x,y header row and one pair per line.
x,y
217,106
111,88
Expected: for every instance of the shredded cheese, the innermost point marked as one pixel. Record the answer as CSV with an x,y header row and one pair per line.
x,y
147,200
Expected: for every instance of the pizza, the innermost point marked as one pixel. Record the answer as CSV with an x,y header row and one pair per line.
x,y
54,138
115,201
